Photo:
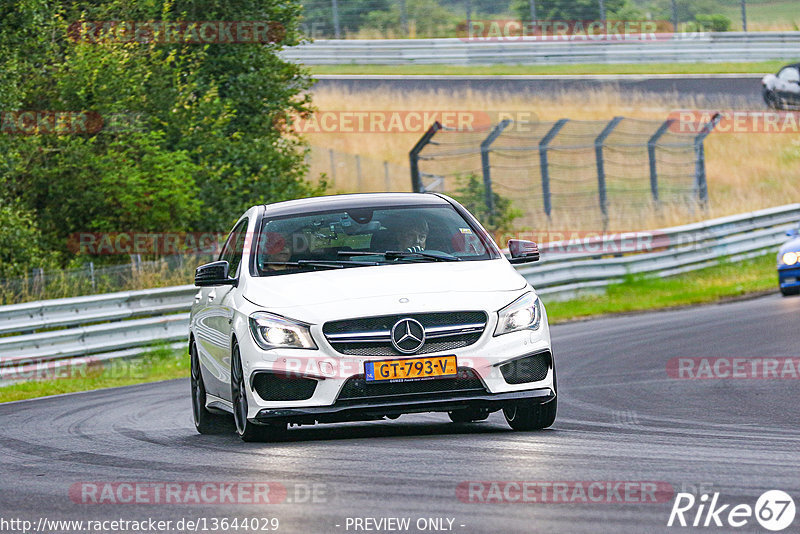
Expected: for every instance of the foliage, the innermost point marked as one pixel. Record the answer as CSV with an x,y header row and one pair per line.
x,y
205,133
576,10
715,22
21,245
472,194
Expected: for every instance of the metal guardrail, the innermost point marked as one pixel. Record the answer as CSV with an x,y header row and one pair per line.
x,y
682,48
58,333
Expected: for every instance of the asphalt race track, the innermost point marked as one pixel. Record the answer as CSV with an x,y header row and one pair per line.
x,y
621,418
736,90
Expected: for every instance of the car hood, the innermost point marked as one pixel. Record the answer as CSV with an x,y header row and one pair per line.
x,y
362,291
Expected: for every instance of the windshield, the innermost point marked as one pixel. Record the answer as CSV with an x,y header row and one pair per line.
x,y
363,236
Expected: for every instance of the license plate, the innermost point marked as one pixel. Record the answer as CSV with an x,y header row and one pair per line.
x,y
410,369
789,280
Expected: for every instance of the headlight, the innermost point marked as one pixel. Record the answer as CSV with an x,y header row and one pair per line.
x,y
273,331
522,314
789,258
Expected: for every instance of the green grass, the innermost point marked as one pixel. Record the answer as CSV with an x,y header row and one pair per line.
x,y
712,284
721,282
160,364
760,67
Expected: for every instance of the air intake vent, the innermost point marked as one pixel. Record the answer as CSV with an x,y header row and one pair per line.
x,y
527,369
280,387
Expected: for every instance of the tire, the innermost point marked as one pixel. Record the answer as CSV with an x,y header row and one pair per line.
x,y
205,421
532,415
468,415
248,430
772,100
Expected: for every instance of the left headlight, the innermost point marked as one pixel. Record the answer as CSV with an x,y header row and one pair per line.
x,y
273,331
789,258
522,314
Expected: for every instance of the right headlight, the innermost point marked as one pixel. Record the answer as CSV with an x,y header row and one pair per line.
x,y
273,331
789,258
522,314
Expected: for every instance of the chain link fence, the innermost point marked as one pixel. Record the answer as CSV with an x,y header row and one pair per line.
x,y
589,174
356,173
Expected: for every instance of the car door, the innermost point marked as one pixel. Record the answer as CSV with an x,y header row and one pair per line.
x,y
788,84
213,319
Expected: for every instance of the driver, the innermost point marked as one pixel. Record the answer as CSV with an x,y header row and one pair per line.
x,y
411,235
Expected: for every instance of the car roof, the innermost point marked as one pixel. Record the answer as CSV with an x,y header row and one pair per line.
x,y
352,201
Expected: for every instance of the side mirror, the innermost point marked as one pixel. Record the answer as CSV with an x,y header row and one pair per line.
x,y
792,232
523,251
213,274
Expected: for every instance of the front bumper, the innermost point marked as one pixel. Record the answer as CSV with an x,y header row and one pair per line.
x,y
350,411
789,277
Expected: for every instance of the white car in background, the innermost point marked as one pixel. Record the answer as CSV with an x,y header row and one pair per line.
x,y
365,307
782,90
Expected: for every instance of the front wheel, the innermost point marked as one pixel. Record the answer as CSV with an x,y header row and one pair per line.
x,y
247,430
532,415
772,100
205,421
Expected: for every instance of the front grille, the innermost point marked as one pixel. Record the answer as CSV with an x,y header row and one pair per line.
x,y
370,336
280,387
356,389
528,369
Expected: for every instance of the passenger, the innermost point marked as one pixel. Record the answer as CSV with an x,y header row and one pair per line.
x,y
275,249
411,235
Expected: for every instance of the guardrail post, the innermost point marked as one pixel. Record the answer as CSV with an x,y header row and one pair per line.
x,y
413,156
601,172
700,160
487,172
543,165
651,155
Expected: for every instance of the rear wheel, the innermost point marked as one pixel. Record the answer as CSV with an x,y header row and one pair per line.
x,y
470,415
248,430
205,421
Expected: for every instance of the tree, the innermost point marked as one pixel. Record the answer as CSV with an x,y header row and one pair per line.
x,y
212,130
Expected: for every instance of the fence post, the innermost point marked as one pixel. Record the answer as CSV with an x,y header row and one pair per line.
x,y
337,32
543,165
700,160
651,156
487,172
601,172
333,167
358,174
413,156
387,182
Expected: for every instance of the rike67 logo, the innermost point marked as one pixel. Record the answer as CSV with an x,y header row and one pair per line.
x,y
774,510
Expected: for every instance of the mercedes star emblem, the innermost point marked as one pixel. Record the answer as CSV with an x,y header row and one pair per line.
x,y
408,335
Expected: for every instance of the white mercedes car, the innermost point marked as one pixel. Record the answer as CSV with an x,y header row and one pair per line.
x,y
365,307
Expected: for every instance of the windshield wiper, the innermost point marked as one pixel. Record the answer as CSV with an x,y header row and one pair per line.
x,y
397,254
324,264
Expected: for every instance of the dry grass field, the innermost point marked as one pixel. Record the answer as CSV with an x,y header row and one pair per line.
x,y
746,171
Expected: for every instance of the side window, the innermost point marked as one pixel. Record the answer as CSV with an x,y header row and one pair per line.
x,y
789,74
234,247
